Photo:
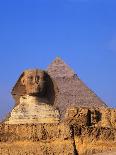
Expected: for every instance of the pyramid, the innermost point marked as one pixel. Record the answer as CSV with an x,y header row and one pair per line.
x,y
72,91
58,69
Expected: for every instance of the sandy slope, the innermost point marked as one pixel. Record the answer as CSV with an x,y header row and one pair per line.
x,y
107,153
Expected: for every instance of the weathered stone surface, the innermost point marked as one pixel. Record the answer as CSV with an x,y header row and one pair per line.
x,y
30,110
35,82
36,104
40,139
97,117
80,132
34,127
25,148
93,129
107,153
113,117
34,132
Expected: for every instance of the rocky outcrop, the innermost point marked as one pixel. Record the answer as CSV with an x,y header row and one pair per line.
x,y
96,117
30,110
83,131
94,129
41,139
107,153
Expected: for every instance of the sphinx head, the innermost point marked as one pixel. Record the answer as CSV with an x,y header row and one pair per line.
x,y
35,83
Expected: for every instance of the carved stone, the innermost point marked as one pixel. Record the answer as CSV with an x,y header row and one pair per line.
x,y
34,94
86,127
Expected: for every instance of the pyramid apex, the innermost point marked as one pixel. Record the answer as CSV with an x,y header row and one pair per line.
x,y
58,68
58,60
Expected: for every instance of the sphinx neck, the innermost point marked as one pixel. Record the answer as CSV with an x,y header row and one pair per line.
x,y
33,100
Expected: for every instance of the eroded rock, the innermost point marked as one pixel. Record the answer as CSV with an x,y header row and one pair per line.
x,y
34,94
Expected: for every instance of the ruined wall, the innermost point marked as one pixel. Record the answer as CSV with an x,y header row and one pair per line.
x,y
94,129
41,139
98,117
83,131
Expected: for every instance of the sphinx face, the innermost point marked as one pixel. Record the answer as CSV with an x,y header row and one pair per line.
x,y
34,82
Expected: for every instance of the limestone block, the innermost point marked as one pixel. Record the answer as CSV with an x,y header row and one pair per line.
x,y
105,117
113,118
78,116
30,110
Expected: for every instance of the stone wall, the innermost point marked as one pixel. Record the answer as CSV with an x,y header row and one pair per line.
x,y
94,129
97,117
41,139
84,131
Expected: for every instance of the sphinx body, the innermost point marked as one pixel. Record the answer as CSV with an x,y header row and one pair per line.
x,y
35,103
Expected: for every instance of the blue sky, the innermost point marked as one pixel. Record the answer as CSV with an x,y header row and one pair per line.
x,y
81,32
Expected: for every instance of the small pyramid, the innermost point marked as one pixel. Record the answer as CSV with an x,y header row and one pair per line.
x,y
72,91
59,69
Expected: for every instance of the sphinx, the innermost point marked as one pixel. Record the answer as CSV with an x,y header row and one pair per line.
x,y
34,94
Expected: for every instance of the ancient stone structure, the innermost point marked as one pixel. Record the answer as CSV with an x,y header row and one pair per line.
x,y
83,131
34,94
57,114
72,91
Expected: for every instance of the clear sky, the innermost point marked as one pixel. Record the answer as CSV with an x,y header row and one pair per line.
x,y
81,32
